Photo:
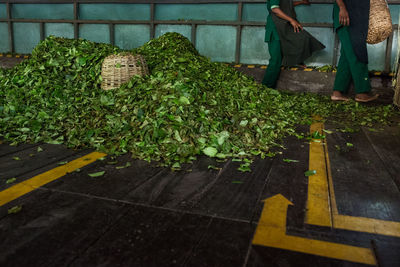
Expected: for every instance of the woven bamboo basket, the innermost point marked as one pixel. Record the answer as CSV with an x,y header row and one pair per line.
x,y
118,69
380,22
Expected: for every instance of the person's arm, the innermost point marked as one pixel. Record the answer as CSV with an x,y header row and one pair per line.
x,y
343,14
304,2
296,25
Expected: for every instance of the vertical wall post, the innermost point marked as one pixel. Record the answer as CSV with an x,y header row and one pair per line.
x,y
76,25
238,33
193,33
10,27
41,31
112,35
388,56
152,27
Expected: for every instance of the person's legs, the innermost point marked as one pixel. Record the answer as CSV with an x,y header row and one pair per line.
x,y
274,67
358,70
343,78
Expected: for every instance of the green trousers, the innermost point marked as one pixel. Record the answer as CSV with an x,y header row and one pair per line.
x,y
274,67
350,68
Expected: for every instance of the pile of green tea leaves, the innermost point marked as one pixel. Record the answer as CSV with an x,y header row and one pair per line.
x,y
187,106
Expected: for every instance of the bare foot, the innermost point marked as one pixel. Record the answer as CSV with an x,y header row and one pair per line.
x,y
365,97
338,96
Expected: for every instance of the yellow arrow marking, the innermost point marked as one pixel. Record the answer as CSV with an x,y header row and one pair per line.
x,y
33,183
271,232
321,203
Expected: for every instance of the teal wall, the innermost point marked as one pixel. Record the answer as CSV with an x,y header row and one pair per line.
x,y
131,36
215,41
3,13
185,30
114,11
42,11
4,44
221,40
254,12
99,33
253,49
65,30
26,36
196,12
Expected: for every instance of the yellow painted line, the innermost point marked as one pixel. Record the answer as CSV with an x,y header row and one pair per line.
x,y
26,56
318,196
294,68
1,55
321,202
377,73
9,56
251,66
263,67
367,225
308,69
237,66
391,74
17,56
271,232
33,183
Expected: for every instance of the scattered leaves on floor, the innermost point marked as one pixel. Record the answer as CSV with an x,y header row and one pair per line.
x,y
96,174
290,160
310,172
14,209
11,180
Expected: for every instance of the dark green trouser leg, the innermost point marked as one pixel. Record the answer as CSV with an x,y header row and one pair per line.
x,y
350,68
274,67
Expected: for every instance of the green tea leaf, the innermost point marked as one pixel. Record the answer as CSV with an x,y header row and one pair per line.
x,y
128,164
14,209
96,174
184,100
210,151
245,167
310,173
11,180
290,160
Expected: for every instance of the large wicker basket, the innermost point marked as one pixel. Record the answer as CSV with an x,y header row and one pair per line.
x,y
118,69
380,22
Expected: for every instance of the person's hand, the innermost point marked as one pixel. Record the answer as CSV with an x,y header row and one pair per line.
x,y
344,17
296,25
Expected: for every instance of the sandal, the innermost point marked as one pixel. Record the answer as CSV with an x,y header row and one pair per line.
x,y
365,100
